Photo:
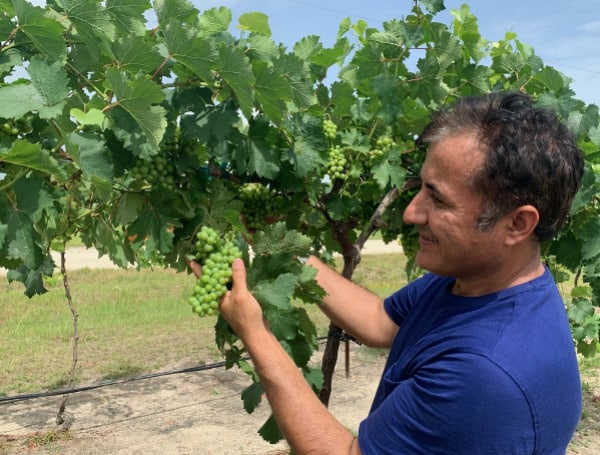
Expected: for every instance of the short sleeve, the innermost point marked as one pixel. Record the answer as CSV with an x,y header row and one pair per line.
x,y
398,304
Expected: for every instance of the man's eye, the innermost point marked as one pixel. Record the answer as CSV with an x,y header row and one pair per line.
x,y
436,199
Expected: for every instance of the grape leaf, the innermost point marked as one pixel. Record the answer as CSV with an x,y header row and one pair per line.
x,y
306,327
327,57
308,290
33,198
215,20
181,11
32,156
91,154
342,98
385,172
135,54
307,46
298,349
128,15
89,27
478,76
23,240
272,91
568,251
277,238
297,73
9,59
235,69
91,117
109,241
44,33
255,22
434,6
256,157
214,124
466,29
252,396
391,95
45,93
129,208
152,229
314,376
92,22
309,145
270,431
32,278
581,122
197,54
262,48
276,293
138,120
283,324
588,232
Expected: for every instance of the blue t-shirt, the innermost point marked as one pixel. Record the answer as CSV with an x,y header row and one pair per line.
x,y
495,374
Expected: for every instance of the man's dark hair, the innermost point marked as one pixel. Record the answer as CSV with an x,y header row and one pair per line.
x,y
531,157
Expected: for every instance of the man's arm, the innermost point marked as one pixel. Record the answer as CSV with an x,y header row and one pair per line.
x,y
358,311
307,425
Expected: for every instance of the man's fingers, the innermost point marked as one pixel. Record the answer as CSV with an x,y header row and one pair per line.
x,y
196,268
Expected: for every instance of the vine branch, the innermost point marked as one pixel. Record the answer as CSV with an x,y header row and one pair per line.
x,y
60,418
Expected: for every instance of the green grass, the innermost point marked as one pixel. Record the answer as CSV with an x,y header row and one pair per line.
x,y
130,322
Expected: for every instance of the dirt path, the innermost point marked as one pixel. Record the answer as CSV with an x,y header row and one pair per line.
x,y
191,413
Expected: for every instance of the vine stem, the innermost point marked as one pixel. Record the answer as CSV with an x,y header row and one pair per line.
x,y
60,418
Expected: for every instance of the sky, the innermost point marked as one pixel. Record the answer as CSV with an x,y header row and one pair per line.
x,y
566,35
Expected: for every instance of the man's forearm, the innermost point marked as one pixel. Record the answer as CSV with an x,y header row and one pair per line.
x,y
354,308
305,422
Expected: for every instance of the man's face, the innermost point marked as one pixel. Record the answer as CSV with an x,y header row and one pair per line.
x,y
446,211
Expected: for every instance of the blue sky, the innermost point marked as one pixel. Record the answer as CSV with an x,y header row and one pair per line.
x,y
566,35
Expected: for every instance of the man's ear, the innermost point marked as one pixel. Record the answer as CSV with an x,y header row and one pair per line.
x,y
521,223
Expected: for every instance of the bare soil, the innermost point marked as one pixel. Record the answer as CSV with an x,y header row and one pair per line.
x,y
191,413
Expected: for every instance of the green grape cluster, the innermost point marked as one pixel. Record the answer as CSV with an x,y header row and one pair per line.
x,y
385,142
216,255
329,128
337,163
158,172
9,129
383,145
260,204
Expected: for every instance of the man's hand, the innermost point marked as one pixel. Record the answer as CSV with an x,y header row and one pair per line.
x,y
238,306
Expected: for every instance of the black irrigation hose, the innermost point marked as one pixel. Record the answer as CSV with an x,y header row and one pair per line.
x,y
31,396
51,393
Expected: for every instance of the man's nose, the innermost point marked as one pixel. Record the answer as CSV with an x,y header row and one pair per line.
x,y
415,212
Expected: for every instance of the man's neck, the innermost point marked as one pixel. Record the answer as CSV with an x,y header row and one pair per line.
x,y
490,283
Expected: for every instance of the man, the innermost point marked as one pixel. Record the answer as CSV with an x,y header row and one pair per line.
x,y
481,356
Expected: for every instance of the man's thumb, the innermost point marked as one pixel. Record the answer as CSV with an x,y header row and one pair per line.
x,y
238,271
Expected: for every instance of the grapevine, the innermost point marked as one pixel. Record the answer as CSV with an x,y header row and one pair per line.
x,y
216,255
131,140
